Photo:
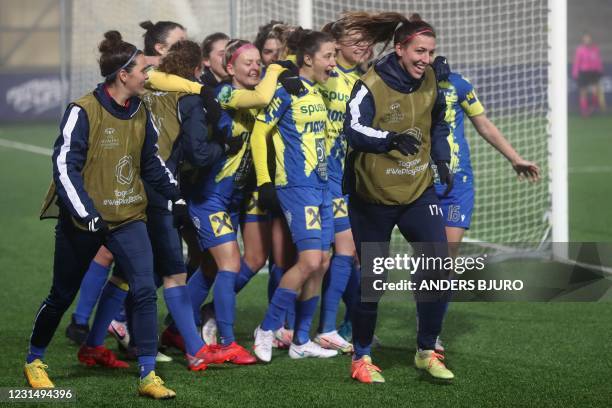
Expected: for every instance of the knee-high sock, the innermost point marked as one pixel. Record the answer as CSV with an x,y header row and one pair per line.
x,y
244,276
111,301
282,299
146,364
91,288
364,322
198,287
351,293
304,312
334,285
274,278
179,306
225,305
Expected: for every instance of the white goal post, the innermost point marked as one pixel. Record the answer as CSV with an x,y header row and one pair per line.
x,y
513,51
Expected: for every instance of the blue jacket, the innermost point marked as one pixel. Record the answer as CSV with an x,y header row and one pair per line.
x,y
74,133
193,144
360,112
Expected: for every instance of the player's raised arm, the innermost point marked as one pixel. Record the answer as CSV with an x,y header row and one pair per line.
x,y
490,133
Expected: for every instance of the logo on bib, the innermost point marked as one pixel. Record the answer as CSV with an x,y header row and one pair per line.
x,y
125,170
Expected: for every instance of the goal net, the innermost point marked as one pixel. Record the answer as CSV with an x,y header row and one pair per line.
x,y
501,46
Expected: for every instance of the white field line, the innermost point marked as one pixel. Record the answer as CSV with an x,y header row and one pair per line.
x,y
26,147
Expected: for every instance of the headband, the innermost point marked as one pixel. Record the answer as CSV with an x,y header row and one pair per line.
x,y
240,50
124,65
410,37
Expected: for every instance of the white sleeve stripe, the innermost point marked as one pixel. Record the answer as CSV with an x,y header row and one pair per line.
x,y
73,196
355,115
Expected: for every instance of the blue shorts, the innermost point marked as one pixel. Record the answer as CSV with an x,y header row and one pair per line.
x,y
215,220
251,211
309,215
458,206
339,207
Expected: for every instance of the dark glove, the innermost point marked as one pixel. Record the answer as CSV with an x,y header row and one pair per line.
x,y
97,226
441,68
213,109
405,143
180,213
445,175
267,197
293,69
232,145
292,83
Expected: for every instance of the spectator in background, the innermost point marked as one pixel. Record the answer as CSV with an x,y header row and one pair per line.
x,y
587,71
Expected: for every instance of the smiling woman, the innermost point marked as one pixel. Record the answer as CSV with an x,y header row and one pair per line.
x,y
106,149
394,126
301,184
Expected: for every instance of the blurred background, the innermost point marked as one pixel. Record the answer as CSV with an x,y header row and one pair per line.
x,y
37,42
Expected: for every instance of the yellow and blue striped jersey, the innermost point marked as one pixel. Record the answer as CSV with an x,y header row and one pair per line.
x,y
233,172
460,98
299,142
336,93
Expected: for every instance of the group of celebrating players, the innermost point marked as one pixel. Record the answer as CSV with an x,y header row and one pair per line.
x,y
302,141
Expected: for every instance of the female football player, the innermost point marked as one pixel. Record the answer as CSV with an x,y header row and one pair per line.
x,y
336,92
301,187
106,149
394,125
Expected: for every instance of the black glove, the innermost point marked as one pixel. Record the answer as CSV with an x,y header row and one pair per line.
x,y
232,145
441,68
405,143
98,226
213,109
180,213
292,83
445,175
267,197
293,69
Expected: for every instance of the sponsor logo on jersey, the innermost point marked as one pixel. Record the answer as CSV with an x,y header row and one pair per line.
x,y
221,223
313,217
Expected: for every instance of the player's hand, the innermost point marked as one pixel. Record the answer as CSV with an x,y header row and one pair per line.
x,y
405,143
267,197
211,105
446,176
288,65
526,170
292,83
180,213
97,226
232,145
441,68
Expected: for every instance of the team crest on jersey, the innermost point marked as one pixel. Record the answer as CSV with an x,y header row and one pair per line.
x,y
395,114
221,223
225,94
124,171
313,217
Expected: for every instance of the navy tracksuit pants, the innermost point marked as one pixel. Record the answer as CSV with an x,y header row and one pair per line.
x,y
421,223
74,250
